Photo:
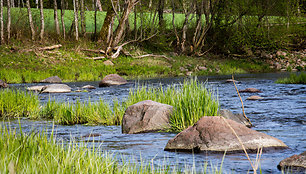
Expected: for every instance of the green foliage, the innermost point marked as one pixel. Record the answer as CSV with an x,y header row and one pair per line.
x,y
294,79
191,101
16,103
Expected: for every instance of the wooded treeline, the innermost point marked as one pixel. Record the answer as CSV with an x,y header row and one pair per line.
x,y
190,27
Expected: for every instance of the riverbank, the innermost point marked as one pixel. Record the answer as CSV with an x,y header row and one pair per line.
x,y
24,62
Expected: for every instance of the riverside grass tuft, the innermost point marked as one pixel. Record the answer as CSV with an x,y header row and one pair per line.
x,y
294,79
191,101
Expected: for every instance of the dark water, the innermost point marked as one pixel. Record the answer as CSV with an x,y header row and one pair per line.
x,y
281,114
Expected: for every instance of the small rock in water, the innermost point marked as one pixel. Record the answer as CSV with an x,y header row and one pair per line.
x,y
3,84
254,97
295,163
112,79
250,90
231,81
56,88
35,88
88,87
53,79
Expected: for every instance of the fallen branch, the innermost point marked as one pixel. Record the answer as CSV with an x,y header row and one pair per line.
x,y
42,48
95,58
95,51
152,55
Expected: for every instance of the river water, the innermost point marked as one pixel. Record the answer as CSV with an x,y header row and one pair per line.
x,y
281,114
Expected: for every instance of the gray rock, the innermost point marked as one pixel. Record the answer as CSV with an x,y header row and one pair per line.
x,y
295,163
35,88
53,79
88,87
108,63
146,116
112,79
250,90
56,88
239,118
202,68
254,97
3,84
211,133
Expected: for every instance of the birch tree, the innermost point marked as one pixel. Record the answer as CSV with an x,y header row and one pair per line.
x,y
8,20
76,21
62,18
82,14
56,18
30,19
1,23
42,21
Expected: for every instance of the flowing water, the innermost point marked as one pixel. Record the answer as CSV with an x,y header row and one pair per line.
x,y
281,114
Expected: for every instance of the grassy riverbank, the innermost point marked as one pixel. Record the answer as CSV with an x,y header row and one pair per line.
x,y
191,101
39,153
294,79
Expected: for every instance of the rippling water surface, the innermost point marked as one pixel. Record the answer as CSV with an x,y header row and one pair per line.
x,y
281,114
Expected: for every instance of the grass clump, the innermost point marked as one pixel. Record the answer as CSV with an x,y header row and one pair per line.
x,y
17,103
294,79
191,101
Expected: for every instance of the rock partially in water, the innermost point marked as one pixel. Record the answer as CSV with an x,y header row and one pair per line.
x,y
53,79
231,81
35,88
56,88
146,116
254,97
3,84
250,90
211,133
112,79
88,87
295,163
236,117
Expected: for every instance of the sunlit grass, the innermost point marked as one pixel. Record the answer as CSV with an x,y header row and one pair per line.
x,y
294,79
37,152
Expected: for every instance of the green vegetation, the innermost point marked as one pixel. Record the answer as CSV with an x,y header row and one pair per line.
x,y
38,153
294,79
191,101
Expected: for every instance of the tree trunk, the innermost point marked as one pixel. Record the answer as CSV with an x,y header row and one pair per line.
x,y
30,19
161,4
42,20
1,22
82,13
76,21
8,20
99,5
95,7
56,18
62,18
107,28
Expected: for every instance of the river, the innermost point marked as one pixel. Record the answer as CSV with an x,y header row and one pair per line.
x,y
281,113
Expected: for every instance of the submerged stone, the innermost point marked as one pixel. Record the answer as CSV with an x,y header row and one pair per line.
x,y
250,90
112,79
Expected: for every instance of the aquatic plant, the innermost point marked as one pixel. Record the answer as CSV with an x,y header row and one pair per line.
x,y
37,152
191,101
18,103
294,79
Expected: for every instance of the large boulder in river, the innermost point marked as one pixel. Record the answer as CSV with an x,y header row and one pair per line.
x,y
53,79
3,84
250,90
56,88
295,163
146,116
236,117
212,133
112,79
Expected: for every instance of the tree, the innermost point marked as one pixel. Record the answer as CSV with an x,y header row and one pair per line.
x,y
56,18
1,23
76,21
8,20
30,19
62,18
42,21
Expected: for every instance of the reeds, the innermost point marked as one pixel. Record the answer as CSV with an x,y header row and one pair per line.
x,y
37,152
294,79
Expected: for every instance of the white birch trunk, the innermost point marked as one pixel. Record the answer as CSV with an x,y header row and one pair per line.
x,y
30,19
82,13
76,21
1,23
8,20
99,5
62,18
42,21
56,18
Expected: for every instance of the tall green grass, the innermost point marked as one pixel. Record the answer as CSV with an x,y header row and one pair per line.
x,y
17,103
191,101
39,153
294,79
